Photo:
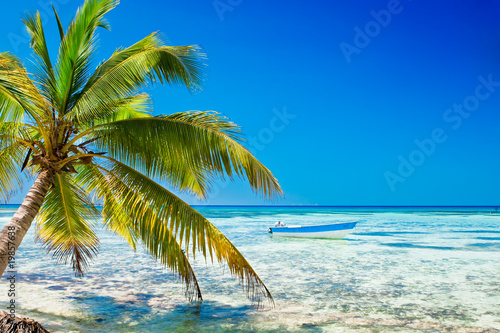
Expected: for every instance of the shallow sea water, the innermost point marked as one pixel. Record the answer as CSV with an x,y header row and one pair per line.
x,y
399,271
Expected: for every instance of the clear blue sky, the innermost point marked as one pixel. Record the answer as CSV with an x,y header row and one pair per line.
x,y
353,93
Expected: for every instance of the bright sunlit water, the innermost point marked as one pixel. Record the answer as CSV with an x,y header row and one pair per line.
x,y
401,270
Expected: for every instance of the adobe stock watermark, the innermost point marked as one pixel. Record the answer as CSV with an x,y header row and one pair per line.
x,y
453,116
266,135
223,6
373,28
11,271
45,9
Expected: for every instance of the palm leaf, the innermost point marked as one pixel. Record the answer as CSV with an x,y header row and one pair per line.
x,y
204,140
12,132
18,94
11,159
157,210
134,106
33,23
115,217
121,217
65,224
147,61
34,26
59,24
76,50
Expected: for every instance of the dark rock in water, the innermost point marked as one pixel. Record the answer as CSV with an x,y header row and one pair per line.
x,y
16,324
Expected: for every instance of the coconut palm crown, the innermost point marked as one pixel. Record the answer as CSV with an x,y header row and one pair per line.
x,y
90,136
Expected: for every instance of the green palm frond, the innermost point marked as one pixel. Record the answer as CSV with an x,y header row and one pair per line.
x,y
33,23
11,159
11,132
134,106
115,217
205,140
66,224
59,24
77,49
157,210
18,94
125,213
17,132
189,178
161,243
147,61
10,108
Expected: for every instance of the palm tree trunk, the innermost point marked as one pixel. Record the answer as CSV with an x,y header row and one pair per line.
x,y
14,231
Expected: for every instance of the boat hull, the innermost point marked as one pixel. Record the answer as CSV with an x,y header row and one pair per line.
x,y
333,231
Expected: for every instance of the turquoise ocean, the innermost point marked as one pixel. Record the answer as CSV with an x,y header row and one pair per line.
x,y
403,269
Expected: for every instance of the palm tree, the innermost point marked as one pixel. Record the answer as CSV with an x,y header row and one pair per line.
x,y
91,137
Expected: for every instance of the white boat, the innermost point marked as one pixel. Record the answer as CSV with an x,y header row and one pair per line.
x,y
335,230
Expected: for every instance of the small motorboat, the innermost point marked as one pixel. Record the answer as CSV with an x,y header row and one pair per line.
x,y
335,230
